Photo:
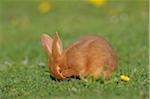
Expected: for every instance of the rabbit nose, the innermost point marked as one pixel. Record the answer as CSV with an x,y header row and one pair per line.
x,y
56,72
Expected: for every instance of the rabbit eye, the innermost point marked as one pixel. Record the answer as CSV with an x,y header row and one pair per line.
x,y
105,67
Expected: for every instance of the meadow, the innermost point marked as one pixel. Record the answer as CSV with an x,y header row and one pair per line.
x,y
23,62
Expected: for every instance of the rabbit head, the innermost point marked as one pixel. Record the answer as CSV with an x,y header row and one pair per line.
x,y
54,49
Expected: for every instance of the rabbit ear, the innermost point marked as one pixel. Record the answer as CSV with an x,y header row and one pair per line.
x,y
56,46
47,43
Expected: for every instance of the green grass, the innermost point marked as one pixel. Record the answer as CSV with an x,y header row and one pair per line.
x,y
23,63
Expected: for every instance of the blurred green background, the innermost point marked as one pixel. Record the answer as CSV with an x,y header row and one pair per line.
x,y
23,62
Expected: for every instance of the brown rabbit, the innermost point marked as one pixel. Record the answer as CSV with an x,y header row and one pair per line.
x,y
89,56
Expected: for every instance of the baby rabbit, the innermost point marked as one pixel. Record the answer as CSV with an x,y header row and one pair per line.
x,y
89,56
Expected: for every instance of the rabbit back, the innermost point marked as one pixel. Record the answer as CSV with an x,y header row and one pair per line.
x,y
91,55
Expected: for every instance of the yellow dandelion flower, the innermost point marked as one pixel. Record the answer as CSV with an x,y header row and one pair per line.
x,y
124,78
44,7
97,2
